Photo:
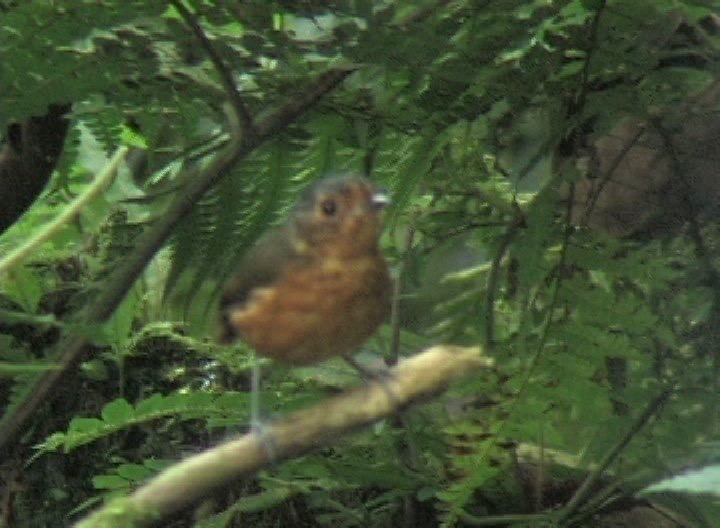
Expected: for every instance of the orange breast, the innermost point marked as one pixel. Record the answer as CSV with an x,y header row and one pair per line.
x,y
317,311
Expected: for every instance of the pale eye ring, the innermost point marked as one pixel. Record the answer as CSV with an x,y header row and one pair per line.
x,y
328,207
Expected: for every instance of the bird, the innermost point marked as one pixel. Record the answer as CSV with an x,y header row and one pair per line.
x,y
316,286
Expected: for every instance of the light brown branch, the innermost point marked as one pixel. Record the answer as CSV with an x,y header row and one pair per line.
x,y
187,482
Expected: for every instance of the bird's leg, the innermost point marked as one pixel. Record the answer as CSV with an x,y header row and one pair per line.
x,y
381,376
256,426
366,373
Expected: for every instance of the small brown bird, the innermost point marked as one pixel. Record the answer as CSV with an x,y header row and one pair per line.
x,y
317,286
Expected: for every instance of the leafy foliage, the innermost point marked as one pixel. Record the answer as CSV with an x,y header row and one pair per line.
x,y
119,414
478,117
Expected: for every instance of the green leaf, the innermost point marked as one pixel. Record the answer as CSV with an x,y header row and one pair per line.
x,y
110,482
134,472
118,412
24,286
85,425
132,138
117,330
152,404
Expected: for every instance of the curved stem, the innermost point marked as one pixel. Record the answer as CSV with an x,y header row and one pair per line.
x,y
103,180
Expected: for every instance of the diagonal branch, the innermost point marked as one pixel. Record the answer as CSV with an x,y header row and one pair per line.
x,y
241,111
184,484
651,410
296,106
117,285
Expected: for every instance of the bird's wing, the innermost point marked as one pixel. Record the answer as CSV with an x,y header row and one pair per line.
x,y
262,265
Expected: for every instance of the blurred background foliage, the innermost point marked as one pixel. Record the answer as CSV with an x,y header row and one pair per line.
x,y
553,168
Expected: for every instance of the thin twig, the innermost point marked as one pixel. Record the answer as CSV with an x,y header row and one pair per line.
x,y
526,519
651,409
494,280
325,83
594,31
397,292
241,111
406,450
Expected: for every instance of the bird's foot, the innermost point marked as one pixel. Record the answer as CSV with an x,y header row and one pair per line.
x,y
260,431
382,376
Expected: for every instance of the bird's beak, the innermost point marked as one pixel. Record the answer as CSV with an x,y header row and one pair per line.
x,y
379,200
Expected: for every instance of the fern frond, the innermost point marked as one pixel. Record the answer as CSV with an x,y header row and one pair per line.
x,y
119,415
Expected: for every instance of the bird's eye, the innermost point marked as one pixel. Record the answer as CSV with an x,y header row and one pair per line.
x,y
328,207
